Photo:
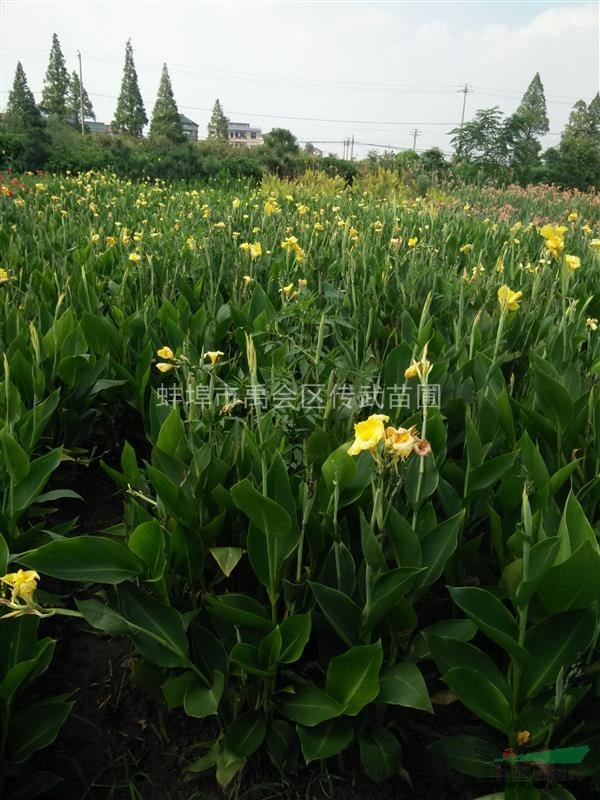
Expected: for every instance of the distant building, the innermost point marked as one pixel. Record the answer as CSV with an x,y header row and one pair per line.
x,y
190,128
96,127
312,150
242,135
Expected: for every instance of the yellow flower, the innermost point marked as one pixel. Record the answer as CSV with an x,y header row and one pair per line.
x,y
255,250
399,441
573,262
291,245
552,231
135,257
419,369
523,736
271,207
595,244
499,264
412,242
378,226
235,203
318,226
111,241
95,238
592,323
248,279
555,245
40,187
191,243
586,230
164,352
4,276
573,216
509,300
287,290
23,584
163,367
466,248
368,434
213,355
302,283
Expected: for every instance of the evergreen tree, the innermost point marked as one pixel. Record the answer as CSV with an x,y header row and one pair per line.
x,y
576,160
532,111
25,124
74,102
165,117
56,83
22,114
130,116
528,122
218,127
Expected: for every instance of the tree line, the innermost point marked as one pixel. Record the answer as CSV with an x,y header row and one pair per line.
x,y
492,147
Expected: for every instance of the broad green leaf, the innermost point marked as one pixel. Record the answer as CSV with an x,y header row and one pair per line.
x,y
308,705
570,634
469,755
148,543
36,726
15,458
353,678
341,611
573,583
403,685
325,740
462,630
202,701
246,733
491,617
387,590
28,487
227,558
91,559
481,697
380,754
436,547
295,633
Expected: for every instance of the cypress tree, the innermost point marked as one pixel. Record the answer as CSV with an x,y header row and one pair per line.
x,y
532,111
74,102
130,116
165,117
218,127
22,114
56,83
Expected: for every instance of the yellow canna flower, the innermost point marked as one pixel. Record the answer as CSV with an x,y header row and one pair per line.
x,y
213,355
255,250
509,300
4,276
573,216
302,283
412,242
287,290
466,248
164,352
573,262
523,736
163,367
111,241
553,231
595,244
368,434
22,583
248,279
235,203
134,257
586,230
592,323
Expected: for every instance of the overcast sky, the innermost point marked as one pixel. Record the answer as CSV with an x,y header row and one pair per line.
x,y
326,70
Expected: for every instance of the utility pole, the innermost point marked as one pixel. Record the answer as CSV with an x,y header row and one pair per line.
x,y
352,149
415,132
81,93
465,91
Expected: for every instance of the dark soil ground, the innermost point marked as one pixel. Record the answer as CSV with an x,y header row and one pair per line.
x,y
119,742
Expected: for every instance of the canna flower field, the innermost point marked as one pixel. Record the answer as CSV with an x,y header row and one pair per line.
x,y
351,436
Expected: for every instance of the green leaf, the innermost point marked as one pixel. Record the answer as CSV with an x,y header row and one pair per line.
x,y
491,617
202,701
463,630
246,655
227,558
246,733
341,611
449,653
148,544
92,559
36,726
295,633
380,754
403,685
469,755
573,583
570,634
370,546
175,687
40,470
240,609
489,472
15,458
325,740
159,629
269,649
387,590
436,547
353,677
308,705
481,697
